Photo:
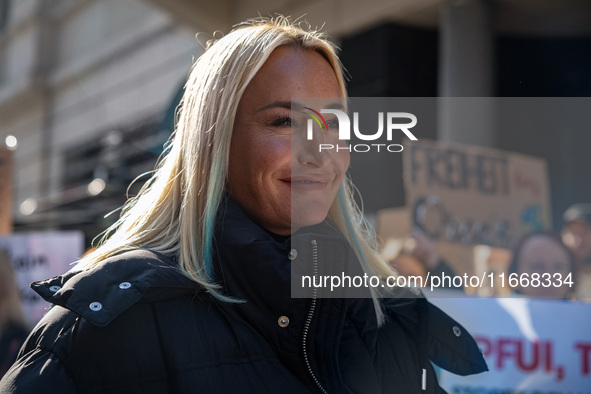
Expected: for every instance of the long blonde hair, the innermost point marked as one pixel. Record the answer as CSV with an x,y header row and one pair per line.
x,y
175,211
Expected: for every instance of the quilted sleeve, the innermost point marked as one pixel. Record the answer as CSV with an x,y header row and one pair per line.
x,y
36,372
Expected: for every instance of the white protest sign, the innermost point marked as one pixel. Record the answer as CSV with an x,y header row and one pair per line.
x,y
530,345
37,256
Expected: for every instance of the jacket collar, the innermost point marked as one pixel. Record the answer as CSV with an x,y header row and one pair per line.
x,y
103,292
252,266
255,266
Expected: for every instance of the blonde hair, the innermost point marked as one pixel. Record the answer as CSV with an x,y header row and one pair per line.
x,y
10,301
175,211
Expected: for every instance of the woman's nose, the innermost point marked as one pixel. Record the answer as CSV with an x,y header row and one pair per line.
x,y
308,158
310,150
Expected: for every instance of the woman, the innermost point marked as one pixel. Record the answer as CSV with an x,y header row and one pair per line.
x,y
13,327
190,292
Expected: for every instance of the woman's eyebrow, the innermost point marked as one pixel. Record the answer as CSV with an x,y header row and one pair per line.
x,y
296,106
280,104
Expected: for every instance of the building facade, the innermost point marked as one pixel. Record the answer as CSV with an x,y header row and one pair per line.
x,y
84,86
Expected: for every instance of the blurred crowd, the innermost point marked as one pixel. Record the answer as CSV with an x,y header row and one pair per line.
x,y
566,255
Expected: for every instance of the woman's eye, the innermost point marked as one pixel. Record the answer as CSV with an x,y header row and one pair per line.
x,y
332,123
284,121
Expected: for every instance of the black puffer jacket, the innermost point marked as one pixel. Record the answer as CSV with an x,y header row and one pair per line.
x,y
135,324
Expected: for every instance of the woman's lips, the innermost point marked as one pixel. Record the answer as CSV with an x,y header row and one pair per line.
x,y
307,182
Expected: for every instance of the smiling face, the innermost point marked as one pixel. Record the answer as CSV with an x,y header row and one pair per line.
x,y
281,180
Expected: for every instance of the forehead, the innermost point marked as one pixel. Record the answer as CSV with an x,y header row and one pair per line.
x,y
577,226
294,72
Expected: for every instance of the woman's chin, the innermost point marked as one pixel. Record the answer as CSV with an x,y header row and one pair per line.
x,y
307,217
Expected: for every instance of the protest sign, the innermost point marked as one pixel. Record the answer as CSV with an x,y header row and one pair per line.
x,y
473,195
473,202
38,256
530,345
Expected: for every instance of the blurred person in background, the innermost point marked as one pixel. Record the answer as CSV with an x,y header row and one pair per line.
x,y
408,265
576,234
190,292
417,255
543,254
13,327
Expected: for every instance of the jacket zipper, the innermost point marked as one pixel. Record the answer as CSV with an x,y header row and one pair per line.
x,y
311,315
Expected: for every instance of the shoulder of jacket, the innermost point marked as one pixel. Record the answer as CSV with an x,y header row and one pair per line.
x,y
103,292
451,346
24,376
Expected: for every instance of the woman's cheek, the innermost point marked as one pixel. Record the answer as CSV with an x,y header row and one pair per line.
x,y
278,151
268,148
344,160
